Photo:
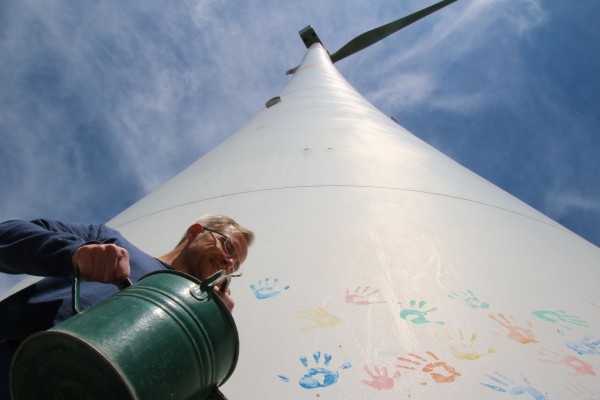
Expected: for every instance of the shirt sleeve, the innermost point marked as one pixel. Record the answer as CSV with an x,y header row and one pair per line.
x,y
45,247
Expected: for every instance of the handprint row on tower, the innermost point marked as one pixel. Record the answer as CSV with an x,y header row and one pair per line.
x,y
418,312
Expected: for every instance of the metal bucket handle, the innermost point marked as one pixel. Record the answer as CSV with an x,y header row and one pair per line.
x,y
125,283
200,292
203,291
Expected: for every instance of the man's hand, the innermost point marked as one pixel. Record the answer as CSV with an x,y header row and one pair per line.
x,y
226,297
106,263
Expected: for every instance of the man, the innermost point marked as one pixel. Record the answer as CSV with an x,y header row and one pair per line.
x,y
53,249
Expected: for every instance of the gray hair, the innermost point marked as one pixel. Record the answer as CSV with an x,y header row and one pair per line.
x,y
222,223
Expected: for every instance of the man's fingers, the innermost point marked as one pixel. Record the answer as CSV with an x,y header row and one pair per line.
x,y
105,263
114,264
226,297
123,283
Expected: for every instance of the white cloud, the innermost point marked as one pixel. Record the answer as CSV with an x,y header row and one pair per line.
x,y
470,32
562,203
405,90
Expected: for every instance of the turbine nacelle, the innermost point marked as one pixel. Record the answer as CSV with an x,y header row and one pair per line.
x,y
310,37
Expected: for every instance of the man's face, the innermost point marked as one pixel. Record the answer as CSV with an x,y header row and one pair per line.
x,y
204,254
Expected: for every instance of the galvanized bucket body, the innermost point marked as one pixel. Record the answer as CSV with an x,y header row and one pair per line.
x,y
167,337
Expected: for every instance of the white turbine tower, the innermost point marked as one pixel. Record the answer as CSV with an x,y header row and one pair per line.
x,y
382,268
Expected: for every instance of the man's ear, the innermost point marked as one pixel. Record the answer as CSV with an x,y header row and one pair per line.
x,y
193,231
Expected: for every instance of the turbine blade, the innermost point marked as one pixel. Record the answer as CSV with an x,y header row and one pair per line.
x,y
375,35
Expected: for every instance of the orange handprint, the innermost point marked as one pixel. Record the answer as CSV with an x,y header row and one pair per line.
x,y
516,333
447,373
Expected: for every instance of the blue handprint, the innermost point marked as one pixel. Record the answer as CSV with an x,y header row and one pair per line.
x,y
319,376
586,346
266,290
507,385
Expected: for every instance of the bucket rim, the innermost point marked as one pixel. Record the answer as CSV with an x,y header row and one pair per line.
x,y
60,333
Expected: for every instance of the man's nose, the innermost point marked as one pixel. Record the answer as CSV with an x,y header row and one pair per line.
x,y
226,260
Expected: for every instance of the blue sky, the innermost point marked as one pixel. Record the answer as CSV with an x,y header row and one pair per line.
x,y
101,102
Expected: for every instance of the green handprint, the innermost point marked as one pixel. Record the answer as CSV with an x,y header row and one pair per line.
x,y
418,316
470,298
560,318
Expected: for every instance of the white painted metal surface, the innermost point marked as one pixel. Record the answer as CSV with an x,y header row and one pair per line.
x,y
382,269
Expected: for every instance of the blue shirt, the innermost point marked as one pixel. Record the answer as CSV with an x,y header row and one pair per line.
x,y
45,248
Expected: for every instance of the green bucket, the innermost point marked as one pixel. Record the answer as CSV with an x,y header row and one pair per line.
x,y
166,337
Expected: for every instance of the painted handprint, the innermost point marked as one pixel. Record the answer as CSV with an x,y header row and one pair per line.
x,y
363,296
318,376
504,384
587,345
516,333
267,289
562,357
560,318
463,348
380,380
440,371
583,392
319,317
418,315
469,297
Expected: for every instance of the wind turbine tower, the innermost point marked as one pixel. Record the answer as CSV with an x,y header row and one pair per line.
x,y
382,269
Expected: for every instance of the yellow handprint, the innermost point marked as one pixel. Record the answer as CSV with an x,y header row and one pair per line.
x,y
320,318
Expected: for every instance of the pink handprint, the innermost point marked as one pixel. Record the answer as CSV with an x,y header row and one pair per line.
x,y
380,380
363,296
565,358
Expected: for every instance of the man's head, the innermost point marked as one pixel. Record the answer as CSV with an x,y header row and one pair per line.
x,y
212,243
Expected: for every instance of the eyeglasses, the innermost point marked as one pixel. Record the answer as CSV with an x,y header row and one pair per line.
x,y
229,248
